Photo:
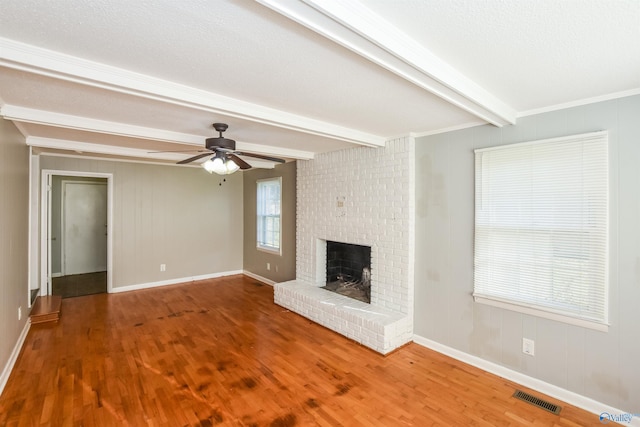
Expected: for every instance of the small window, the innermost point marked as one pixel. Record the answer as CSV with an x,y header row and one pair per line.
x,y
541,228
268,213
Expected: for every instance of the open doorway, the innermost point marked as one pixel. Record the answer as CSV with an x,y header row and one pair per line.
x,y
76,261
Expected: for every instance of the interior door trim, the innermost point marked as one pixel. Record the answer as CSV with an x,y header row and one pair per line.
x,y
45,242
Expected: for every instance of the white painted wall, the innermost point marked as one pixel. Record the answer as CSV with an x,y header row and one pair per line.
x,y
600,366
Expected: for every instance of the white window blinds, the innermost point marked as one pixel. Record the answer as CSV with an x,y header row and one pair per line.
x,y
541,228
268,214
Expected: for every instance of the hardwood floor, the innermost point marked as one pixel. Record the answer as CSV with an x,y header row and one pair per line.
x,y
46,309
220,352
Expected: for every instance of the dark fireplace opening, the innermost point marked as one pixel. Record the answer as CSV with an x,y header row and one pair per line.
x,y
349,270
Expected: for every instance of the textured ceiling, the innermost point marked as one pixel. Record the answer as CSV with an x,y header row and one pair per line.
x,y
532,54
120,72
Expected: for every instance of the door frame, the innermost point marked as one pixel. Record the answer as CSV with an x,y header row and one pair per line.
x,y
45,225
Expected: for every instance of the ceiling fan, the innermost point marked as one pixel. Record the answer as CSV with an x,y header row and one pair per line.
x,y
225,158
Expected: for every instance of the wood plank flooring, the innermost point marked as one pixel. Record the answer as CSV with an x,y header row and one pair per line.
x,y
46,309
220,352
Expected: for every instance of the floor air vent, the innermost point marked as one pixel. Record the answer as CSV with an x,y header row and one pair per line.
x,y
547,406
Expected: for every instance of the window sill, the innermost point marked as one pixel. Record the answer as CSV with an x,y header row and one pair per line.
x,y
590,324
270,250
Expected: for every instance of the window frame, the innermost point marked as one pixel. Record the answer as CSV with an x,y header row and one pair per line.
x,y
259,244
529,306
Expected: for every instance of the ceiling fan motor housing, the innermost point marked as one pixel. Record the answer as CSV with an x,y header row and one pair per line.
x,y
220,142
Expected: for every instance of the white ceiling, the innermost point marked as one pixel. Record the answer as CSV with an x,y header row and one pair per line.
x,y
295,78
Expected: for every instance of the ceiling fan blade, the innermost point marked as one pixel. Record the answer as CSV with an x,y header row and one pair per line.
x,y
238,161
191,159
223,148
260,156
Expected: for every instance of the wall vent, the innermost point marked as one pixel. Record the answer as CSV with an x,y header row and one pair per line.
x,y
547,406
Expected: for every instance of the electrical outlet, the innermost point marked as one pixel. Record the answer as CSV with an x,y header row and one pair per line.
x,y
268,266
528,346
19,313
163,267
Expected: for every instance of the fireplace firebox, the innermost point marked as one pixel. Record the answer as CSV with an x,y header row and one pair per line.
x,y
349,270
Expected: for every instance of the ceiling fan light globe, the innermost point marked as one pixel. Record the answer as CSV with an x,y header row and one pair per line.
x,y
218,166
231,167
208,166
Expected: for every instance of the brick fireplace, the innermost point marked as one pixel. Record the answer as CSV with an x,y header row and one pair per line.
x,y
365,197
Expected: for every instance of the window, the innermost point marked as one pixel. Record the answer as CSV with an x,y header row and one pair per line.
x,y
268,212
541,228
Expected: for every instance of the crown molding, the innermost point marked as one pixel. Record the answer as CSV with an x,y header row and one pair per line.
x,y
580,102
449,129
36,60
355,27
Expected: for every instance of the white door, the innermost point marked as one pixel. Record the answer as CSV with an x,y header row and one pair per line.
x,y
84,222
